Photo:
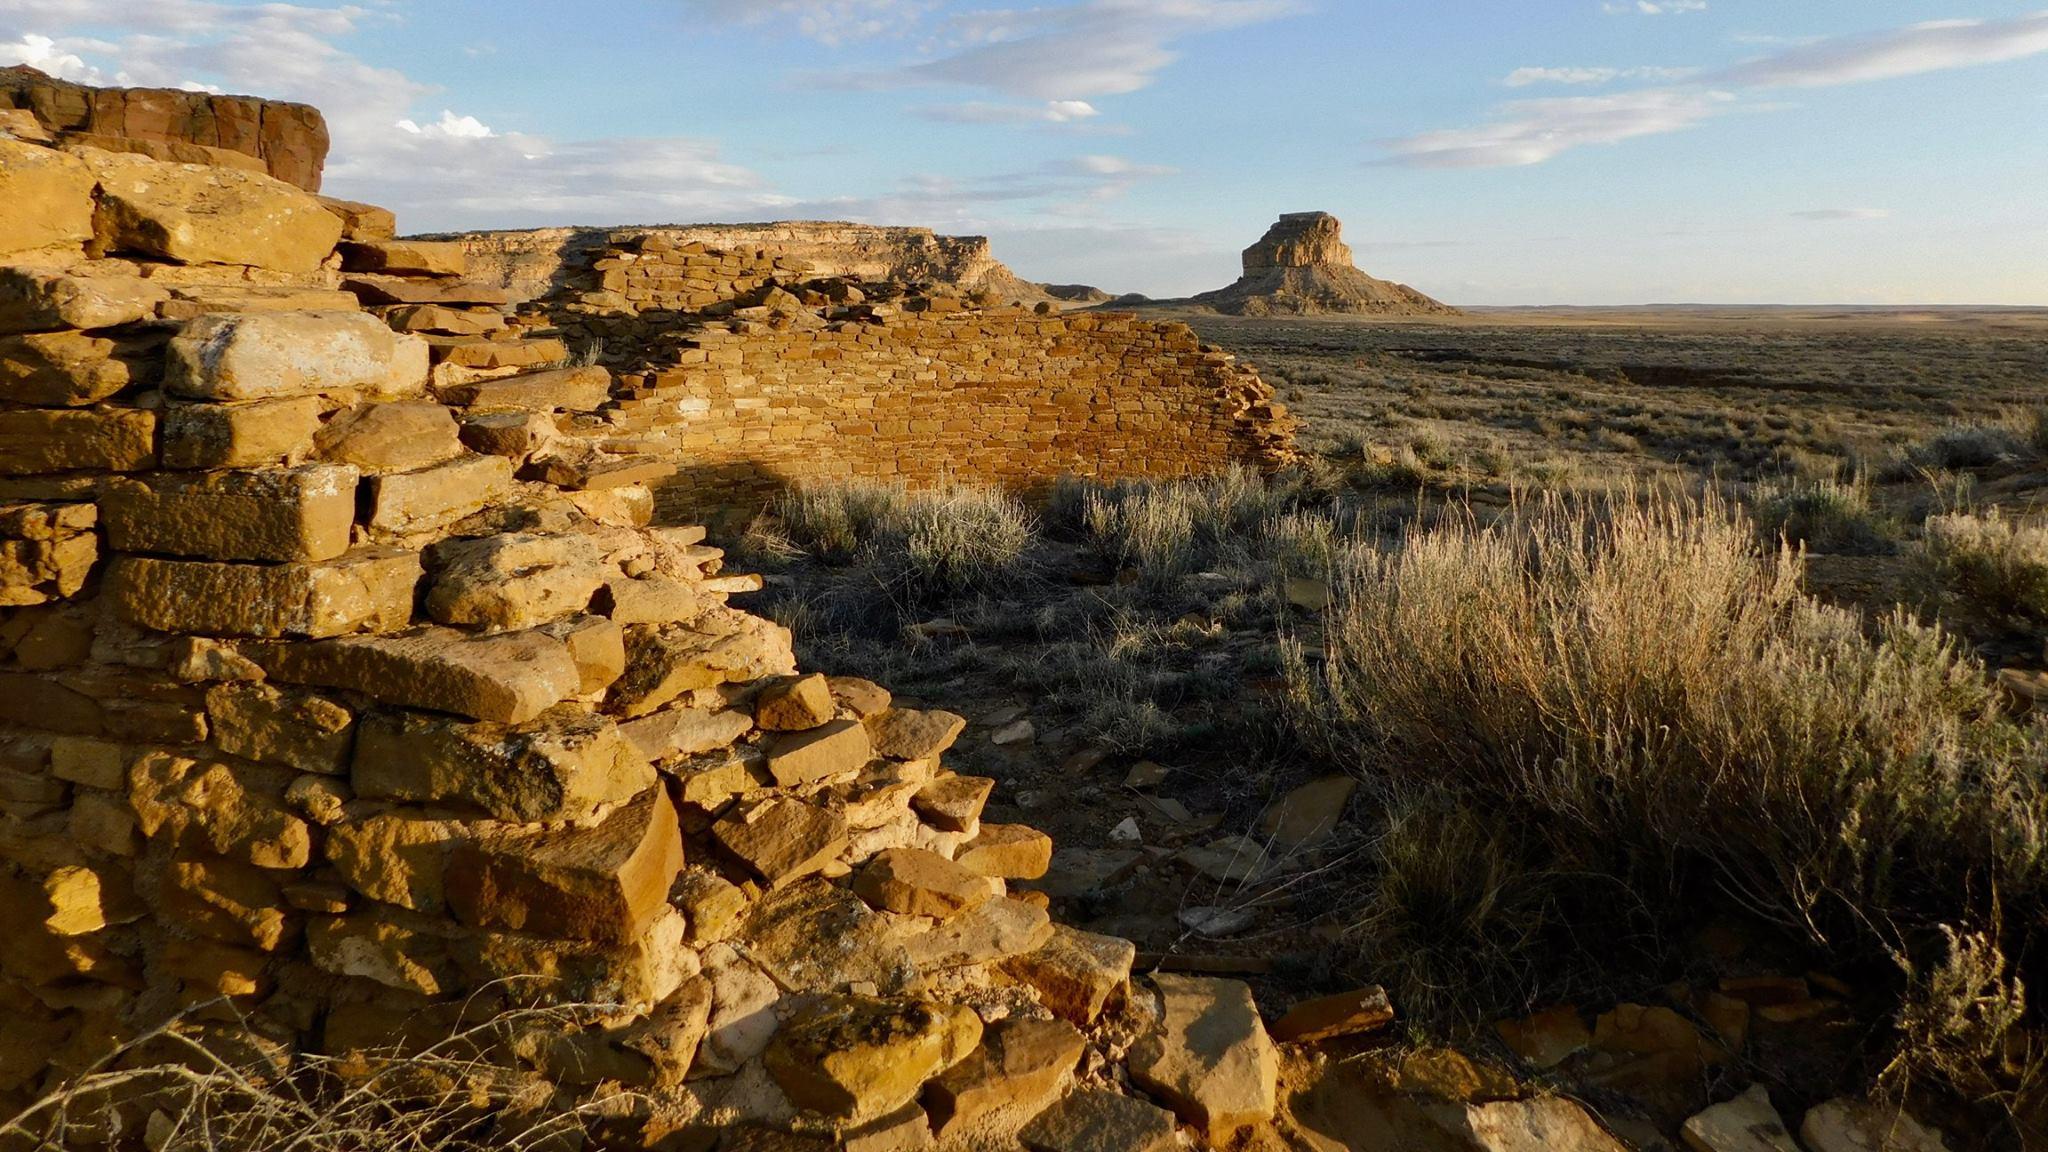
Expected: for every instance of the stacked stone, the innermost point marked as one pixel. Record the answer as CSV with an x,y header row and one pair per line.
x,y
336,715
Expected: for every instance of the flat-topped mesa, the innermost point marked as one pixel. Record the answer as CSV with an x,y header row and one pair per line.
x,y
285,140
1302,267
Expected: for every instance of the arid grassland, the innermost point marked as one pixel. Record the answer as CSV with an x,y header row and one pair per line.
x,y
1678,666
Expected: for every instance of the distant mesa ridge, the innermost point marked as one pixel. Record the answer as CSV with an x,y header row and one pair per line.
x,y
1302,267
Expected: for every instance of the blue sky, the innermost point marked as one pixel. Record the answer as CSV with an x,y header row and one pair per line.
x,y
1486,151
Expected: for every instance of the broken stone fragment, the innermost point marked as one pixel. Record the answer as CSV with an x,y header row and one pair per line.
x,y
511,677
953,803
840,746
371,945
45,299
67,369
397,857
813,936
361,222
37,440
1097,1120
743,1019
1546,1039
228,809
676,732
297,514
1008,851
1074,972
201,214
1848,1125
273,355
563,764
782,839
405,257
1309,815
396,437
864,698
253,434
669,1036
603,884
276,726
712,904
662,664
915,882
369,590
49,200
854,1058
995,930
1209,1057
910,734
560,390
1021,1066
514,580
513,435
432,498
446,321
1329,1017
597,645
1747,1123
228,901
795,706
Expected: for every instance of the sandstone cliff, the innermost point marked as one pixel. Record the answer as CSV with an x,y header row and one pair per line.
x,y
288,141
533,262
1302,267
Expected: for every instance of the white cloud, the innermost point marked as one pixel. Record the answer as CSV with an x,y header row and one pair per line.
x,y
1533,131
1070,51
827,21
1655,7
1909,51
42,52
1524,77
449,125
1055,112
1826,215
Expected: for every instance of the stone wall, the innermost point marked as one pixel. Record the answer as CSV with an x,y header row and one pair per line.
x,y
288,141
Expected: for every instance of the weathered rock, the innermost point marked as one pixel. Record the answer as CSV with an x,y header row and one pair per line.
x,y
795,706
1021,1067
397,857
381,438
359,221
405,257
41,299
510,678
812,936
1209,1056
95,439
369,590
447,321
1848,1125
854,1058
1747,1123
1074,972
1302,266
684,732
909,734
1096,1120
988,932
597,645
370,946
253,434
743,1017
230,810
196,214
1329,1017
864,698
953,803
1009,851
515,580
1544,1124
227,900
47,551
302,514
49,200
831,749
513,435
670,1035
432,498
665,663
916,882
1309,815
602,884
276,726
68,369
1546,1039
563,764
272,355
782,839
556,390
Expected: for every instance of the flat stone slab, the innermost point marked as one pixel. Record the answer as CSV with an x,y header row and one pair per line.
x,y
603,884
1209,1057
369,590
1095,1120
512,677
301,514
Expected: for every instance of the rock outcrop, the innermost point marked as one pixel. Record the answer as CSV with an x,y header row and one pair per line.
x,y
288,141
1302,267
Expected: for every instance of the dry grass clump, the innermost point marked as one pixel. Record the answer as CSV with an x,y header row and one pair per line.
x,y
1638,696
2008,439
918,546
1824,514
1990,564
1166,531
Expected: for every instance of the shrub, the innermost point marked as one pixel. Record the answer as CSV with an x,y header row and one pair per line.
x,y
919,545
1643,693
1990,564
1973,446
1826,515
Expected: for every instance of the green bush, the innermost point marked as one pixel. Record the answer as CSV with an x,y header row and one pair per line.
x,y
1826,515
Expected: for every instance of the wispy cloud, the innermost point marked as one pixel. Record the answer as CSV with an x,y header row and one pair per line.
x,y
827,21
1051,112
1653,7
1829,215
1073,51
1533,131
1525,77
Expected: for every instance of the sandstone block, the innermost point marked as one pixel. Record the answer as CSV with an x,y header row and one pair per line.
x,y
514,580
855,1058
651,599
663,664
47,551
563,764
82,439
433,498
255,434
487,353
782,839
371,946
398,857
1308,815
1021,1066
67,369
795,706
513,435
42,299
230,810
48,196
676,732
509,678
864,698
394,437
272,355
713,904
996,930
405,257
1847,1125
1010,851
376,289
275,726
361,221
302,514
1329,1017
1209,1056
1075,972
598,646
909,734
228,901
669,1037
743,1017
195,214
445,321
802,757
953,803
558,390
1747,1123
1097,1120
814,936
370,590
916,882
603,884
191,301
